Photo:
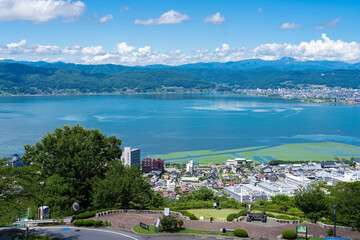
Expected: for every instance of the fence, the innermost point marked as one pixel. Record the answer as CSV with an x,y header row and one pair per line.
x,y
179,215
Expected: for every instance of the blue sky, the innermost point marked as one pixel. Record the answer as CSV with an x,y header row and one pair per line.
x,y
141,32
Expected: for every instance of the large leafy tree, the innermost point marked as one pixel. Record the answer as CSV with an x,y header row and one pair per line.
x,y
124,187
69,160
312,201
347,198
17,191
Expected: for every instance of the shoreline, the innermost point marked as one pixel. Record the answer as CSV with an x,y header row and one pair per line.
x,y
303,100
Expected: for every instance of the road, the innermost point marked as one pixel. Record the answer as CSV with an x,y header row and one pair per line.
x,y
75,233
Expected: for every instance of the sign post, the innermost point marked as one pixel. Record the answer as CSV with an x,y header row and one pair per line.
x,y
166,211
300,229
145,226
76,208
157,225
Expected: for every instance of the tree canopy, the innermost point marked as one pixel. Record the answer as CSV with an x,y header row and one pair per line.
x,y
69,159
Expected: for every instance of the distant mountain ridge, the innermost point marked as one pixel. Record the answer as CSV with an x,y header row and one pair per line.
x,y
283,64
53,78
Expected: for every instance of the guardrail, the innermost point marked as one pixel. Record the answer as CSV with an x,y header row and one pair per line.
x,y
101,214
32,223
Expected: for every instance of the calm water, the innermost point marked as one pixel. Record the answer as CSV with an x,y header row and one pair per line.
x,y
160,124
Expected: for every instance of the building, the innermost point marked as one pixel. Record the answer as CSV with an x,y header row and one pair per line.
x,y
130,156
15,161
190,166
149,165
297,181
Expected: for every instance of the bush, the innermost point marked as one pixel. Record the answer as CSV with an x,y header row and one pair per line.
x,y
78,223
240,233
169,223
39,237
285,217
98,223
187,214
180,223
330,232
232,216
87,214
270,215
289,234
89,223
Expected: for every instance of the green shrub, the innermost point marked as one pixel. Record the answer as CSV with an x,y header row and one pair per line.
x,y
89,223
240,233
231,217
289,234
78,223
330,232
187,214
285,217
168,223
39,237
270,215
180,223
87,214
98,223
243,213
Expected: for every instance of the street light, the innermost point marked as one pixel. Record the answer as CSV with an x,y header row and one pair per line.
x,y
335,220
42,200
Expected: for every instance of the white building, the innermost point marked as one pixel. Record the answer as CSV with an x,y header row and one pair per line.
x,y
190,166
297,181
130,156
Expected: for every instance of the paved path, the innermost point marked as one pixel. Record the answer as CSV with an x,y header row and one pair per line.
x,y
256,230
75,233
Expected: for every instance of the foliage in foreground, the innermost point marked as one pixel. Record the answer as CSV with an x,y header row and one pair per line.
x,y
289,234
240,233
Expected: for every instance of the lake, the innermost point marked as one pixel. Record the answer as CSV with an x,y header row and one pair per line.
x,y
161,124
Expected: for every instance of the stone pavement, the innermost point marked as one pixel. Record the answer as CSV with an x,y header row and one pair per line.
x,y
256,230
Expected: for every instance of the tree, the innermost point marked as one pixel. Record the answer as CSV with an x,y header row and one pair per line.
x,y
124,187
347,198
203,194
17,191
312,201
169,223
76,156
283,201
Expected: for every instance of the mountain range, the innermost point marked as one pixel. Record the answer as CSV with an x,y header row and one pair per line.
x,y
19,77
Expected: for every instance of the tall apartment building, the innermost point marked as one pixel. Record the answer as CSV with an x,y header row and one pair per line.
x,y
149,165
190,166
130,156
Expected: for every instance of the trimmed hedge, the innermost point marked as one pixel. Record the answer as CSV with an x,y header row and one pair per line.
x,y
289,234
270,215
90,214
88,223
285,217
240,233
232,216
187,214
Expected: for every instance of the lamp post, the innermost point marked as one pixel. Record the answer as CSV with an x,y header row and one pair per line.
x,y
335,220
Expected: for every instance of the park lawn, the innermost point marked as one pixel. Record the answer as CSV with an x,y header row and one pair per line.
x,y
140,230
223,213
273,213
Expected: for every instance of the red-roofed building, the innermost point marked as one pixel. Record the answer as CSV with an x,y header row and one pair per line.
x,y
149,165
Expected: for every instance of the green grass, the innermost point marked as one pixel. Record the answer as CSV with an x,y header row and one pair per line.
x,y
290,152
140,230
223,213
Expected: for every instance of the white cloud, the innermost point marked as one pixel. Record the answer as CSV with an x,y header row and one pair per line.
x,y
259,11
331,24
77,50
321,49
39,11
106,18
123,48
215,19
26,49
324,49
289,26
170,17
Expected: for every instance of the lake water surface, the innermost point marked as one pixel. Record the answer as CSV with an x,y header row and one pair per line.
x,y
161,124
